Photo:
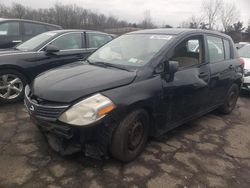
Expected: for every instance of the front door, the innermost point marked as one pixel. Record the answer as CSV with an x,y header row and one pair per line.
x,y
72,48
186,95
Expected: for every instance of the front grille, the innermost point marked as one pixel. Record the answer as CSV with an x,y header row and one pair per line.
x,y
49,112
42,109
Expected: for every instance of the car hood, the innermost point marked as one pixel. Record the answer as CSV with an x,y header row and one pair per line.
x,y
247,63
73,81
6,52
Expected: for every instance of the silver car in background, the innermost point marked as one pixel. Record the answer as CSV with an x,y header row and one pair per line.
x,y
244,53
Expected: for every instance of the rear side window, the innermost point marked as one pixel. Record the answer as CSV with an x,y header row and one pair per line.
x,y
227,49
9,29
96,40
216,49
31,29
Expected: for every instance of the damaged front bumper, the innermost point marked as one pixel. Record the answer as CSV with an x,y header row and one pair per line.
x,y
92,141
66,139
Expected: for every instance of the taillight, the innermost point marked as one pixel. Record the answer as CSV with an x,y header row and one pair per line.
x,y
242,62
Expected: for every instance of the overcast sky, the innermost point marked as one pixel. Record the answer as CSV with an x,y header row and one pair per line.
x,y
171,12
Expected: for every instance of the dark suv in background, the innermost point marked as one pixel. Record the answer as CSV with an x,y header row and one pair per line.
x,y
14,31
141,84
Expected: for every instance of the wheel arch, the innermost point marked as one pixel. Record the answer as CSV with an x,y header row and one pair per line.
x,y
15,68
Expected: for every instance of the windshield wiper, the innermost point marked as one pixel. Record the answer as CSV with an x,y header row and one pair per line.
x,y
105,64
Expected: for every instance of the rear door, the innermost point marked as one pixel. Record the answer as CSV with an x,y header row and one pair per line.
x,y
222,67
186,95
10,34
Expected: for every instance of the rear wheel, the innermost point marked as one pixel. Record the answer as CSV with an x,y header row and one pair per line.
x,y
130,137
12,85
231,100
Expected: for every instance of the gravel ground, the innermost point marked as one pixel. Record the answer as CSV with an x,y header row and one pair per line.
x,y
213,151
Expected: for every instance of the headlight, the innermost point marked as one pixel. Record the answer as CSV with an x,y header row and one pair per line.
x,y
88,110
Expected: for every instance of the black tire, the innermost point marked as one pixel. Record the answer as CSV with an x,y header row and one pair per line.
x,y
126,146
21,84
231,100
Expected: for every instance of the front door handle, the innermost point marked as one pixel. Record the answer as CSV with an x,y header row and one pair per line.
x,y
203,74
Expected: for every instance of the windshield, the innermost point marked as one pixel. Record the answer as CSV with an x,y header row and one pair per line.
x,y
244,51
130,50
36,41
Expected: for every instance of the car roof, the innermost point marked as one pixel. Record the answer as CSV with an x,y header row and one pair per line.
x,y
31,21
177,31
61,31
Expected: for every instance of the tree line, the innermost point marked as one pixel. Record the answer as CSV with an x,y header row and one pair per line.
x,y
70,17
215,15
221,16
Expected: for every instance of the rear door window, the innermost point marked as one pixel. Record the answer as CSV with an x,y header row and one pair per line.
x,y
216,49
32,29
96,39
9,29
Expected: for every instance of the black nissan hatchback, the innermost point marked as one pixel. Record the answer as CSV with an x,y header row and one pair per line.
x,y
141,84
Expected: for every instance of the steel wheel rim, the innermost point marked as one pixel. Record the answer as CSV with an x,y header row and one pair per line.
x,y
135,135
232,99
11,86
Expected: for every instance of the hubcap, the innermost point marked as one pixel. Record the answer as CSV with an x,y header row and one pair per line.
x,y
10,86
135,135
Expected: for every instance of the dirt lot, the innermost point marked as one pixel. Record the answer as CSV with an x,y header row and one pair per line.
x,y
213,151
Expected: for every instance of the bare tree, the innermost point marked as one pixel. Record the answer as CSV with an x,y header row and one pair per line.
x,y
147,21
211,9
229,15
19,10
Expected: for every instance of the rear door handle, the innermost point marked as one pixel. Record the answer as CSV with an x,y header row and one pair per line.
x,y
17,41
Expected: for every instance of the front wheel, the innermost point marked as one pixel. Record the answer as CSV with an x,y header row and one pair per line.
x,y
12,85
130,137
231,100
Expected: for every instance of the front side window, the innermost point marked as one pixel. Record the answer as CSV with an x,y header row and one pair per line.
x,y
36,41
68,41
96,40
216,49
189,52
244,51
133,50
9,29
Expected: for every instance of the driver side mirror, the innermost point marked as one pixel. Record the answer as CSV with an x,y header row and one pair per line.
x,y
51,49
173,67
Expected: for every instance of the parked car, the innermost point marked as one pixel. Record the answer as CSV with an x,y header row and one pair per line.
x,y
21,64
241,44
244,53
14,31
141,84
